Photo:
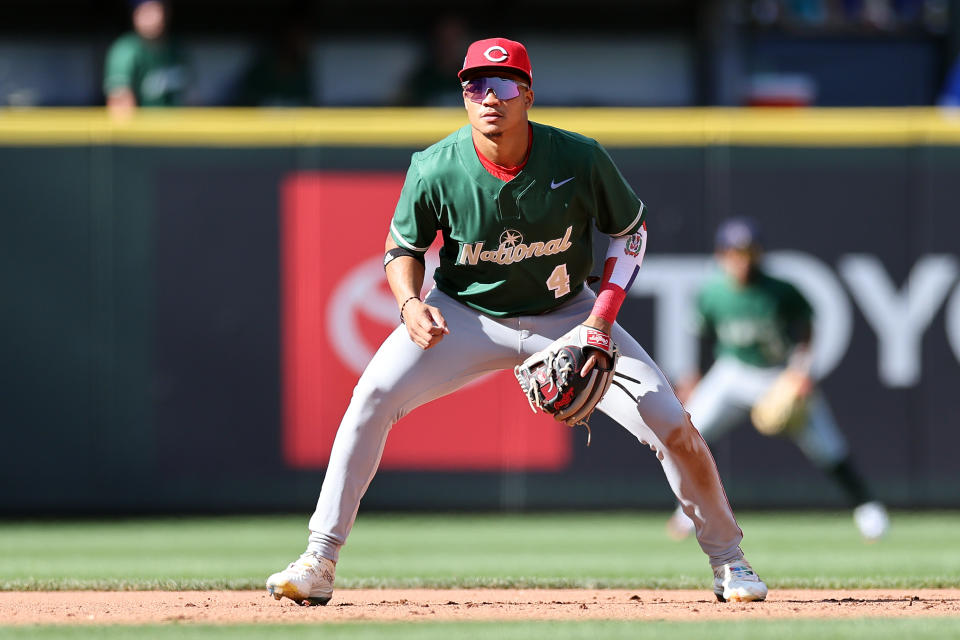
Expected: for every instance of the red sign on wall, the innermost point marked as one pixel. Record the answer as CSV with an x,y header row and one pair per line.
x,y
337,309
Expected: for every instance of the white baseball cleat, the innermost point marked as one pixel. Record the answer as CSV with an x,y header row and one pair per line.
x,y
679,526
872,520
309,579
737,582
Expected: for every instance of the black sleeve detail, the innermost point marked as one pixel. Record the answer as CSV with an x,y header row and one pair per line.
x,y
401,251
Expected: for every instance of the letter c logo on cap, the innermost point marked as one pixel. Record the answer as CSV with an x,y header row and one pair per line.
x,y
489,54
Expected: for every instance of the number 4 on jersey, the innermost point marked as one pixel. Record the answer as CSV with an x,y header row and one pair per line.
x,y
559,281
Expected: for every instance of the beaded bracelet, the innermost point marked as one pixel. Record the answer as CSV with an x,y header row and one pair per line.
x,y
402,321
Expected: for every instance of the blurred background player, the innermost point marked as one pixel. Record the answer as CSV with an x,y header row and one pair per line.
x,y
281,72
761,327
145,68
428,84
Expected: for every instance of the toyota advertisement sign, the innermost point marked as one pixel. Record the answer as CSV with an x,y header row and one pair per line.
x,y
219,304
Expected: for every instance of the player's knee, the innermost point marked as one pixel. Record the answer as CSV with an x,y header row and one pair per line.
x,y
683,438
372,400
663,413
672,424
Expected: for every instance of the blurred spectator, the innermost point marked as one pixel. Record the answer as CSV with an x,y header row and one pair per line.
x,y
884,15
145,68
280,74
780,89
430,82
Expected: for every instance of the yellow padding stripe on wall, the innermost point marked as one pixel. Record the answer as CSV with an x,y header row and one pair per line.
x,y
381,127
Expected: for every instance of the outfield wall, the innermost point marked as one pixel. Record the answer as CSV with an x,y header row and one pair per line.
x,y
190,296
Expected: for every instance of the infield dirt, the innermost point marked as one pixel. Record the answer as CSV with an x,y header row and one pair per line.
x,y
243,607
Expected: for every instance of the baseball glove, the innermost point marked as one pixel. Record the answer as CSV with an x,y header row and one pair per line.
x,y
551,378
783,408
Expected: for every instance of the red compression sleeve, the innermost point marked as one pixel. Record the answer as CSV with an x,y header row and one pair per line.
x,y
611,296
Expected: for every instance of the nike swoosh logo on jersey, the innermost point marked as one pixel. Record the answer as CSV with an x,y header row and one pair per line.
x,y
554,184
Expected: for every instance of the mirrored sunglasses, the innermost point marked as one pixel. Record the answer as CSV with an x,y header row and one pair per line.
x,y
503,88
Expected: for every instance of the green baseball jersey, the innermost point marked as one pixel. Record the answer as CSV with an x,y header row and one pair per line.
x,y
519,247
752,323
155,71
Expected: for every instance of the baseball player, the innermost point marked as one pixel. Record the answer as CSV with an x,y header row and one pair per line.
x,y
762,329
146,67
515,203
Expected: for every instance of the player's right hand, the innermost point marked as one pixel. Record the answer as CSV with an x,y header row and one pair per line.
x,y
425,324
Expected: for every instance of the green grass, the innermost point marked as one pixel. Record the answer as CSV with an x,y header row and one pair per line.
x,y
626,550
848,629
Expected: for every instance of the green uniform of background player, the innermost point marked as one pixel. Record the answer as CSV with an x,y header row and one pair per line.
x,y
515,203
760,327
145,68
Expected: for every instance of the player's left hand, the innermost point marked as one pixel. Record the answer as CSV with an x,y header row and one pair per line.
x,y
597,358
802,381
553,379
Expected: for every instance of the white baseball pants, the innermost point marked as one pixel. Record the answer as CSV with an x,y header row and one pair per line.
x,y
723,398
401,377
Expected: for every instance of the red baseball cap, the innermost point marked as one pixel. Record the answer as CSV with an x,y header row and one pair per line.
x,y
497,53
